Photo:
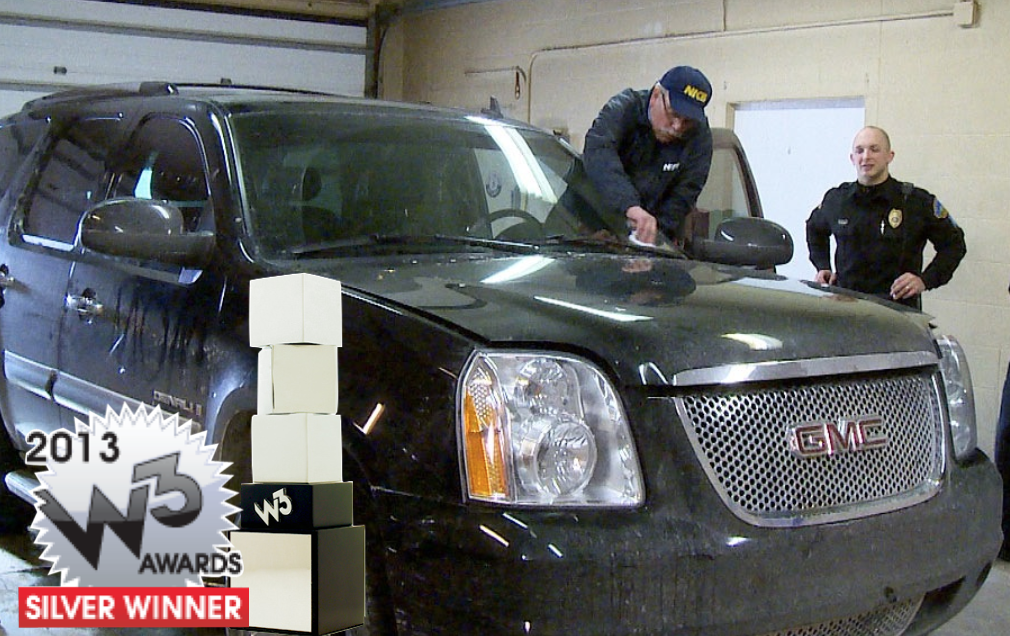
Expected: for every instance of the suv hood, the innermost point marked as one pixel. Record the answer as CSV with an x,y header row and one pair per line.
x,y
650,318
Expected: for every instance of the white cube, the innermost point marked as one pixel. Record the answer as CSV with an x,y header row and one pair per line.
x,y
295,309
298,447
277,569
297,379
311,583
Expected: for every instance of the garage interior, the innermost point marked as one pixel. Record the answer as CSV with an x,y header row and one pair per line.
x,y
931,72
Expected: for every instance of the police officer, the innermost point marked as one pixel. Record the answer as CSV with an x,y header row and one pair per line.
x,y
881,226
649,152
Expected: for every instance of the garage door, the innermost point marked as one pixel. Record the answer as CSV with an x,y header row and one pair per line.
x,y
47,45
11,98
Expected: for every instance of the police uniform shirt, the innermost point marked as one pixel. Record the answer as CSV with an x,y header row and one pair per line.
x,y
629,166
880,232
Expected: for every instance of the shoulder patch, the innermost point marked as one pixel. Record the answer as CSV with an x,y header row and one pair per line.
x,y
939,211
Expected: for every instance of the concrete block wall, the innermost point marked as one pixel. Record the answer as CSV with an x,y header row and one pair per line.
x,y
938,88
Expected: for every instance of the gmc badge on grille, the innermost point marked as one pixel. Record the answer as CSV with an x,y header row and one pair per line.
x,y
816,439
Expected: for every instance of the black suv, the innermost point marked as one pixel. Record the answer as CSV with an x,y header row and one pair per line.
x,y
550,430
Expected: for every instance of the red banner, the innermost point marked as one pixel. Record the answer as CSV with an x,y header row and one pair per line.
x,y
133,607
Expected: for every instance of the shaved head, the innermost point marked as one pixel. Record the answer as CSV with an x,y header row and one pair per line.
x,y
880,131
871,155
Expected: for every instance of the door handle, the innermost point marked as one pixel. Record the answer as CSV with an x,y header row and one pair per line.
x,y
86,306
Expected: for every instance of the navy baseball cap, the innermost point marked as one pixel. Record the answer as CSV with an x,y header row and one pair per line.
x,y
689,89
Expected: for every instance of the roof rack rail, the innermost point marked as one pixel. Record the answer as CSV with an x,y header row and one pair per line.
x,y
228,84
158,88
149,88
103,90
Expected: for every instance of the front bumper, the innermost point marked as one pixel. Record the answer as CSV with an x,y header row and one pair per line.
x,y
691,569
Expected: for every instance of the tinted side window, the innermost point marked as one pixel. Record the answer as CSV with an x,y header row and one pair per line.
x,y
164,161
16,142
70,181
724,196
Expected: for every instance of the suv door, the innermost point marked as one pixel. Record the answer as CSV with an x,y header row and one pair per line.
x,y
135,330
36,259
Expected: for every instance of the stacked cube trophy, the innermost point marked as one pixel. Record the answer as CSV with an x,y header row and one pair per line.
x,y
304,560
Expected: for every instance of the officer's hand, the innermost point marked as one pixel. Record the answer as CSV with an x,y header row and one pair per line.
x,y
908,285
826,277
642,224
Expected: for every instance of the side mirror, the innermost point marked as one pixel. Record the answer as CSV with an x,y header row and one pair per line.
x,y
746,241
146,230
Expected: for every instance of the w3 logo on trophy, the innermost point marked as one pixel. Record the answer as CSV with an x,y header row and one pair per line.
x,y
272,509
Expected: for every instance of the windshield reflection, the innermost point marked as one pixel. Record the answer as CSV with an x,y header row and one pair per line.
x,y
319,176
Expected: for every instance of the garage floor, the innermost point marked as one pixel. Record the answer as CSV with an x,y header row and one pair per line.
x,y
988,614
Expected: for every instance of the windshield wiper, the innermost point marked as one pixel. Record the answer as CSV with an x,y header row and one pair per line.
x,y
410,240
668,250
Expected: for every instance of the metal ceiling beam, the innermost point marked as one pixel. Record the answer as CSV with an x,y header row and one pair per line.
x,y
342,10
417,6
358,11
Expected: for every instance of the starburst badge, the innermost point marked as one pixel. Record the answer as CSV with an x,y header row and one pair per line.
x,y
132,499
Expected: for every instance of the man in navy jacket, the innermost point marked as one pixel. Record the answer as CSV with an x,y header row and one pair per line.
x,y
649,152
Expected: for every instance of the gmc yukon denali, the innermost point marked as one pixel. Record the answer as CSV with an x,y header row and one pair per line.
x,y
549,430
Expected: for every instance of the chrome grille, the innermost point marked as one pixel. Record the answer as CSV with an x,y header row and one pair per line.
x,y
891,620
740,434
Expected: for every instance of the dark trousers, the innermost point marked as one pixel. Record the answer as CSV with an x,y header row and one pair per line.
x,y
1003,459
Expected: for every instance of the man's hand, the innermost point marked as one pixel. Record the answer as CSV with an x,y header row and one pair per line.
x,y
826,277
908,285
642,224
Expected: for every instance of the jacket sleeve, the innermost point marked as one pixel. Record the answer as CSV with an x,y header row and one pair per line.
x,y
819,237
947,238
682,195
615,121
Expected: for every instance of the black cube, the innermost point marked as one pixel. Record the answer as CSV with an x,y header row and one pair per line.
x,y
297,507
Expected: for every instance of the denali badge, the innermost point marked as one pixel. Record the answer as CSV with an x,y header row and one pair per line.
x,y
182,406
814,439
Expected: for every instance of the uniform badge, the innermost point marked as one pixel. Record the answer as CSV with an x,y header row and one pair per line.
x,y
894,218
939,211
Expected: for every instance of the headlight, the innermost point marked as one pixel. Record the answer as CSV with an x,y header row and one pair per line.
x,y
539,429
960,396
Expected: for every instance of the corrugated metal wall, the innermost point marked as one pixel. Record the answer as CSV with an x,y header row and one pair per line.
x,y
46,45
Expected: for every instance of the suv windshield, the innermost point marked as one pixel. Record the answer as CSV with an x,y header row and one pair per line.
x,y
316,177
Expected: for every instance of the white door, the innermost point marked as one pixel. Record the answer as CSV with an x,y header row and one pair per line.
x,y
798,150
